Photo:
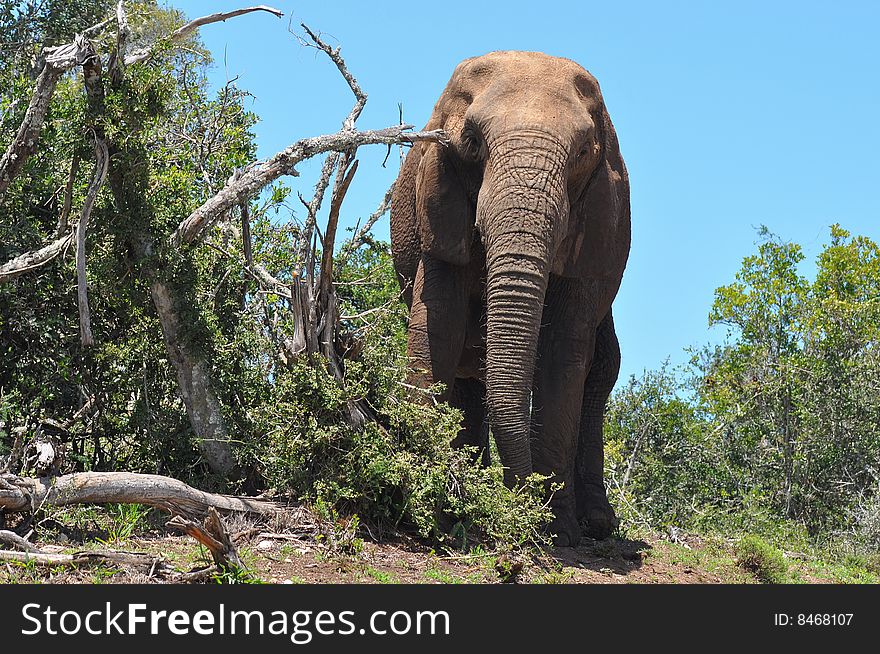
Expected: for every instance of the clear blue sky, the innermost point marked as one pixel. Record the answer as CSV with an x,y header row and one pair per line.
x,y
730,115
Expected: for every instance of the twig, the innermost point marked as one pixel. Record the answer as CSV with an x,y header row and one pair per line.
x,y
361,236
336,58
192,26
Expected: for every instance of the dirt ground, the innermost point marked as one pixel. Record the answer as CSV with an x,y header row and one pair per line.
x,y
280,558
285,555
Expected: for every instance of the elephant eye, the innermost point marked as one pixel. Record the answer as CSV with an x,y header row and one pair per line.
x,y
586,151
471,144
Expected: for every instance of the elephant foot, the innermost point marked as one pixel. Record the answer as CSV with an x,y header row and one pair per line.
x,y
600,523
565,529
597,514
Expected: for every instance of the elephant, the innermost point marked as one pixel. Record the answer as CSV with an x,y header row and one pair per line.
x,y
509,242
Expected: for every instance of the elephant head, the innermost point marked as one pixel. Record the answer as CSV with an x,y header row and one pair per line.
x,y
534,176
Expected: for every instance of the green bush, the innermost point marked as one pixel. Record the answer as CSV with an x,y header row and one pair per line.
x,y
761,559
402,474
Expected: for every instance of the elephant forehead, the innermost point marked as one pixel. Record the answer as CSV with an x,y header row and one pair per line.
x,y
520,65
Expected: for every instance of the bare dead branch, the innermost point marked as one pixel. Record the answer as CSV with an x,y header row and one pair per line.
x,y
62,226
14,540
34,259
85,323
213,535
332,161
19,494
123,31
144,562
258,176
340,188
360,236
336,58
192,26
24,144
314,205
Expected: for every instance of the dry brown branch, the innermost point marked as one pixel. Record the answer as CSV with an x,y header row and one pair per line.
x,y
313,206
24,144
19,494
257,176
85,323
213,535
192,26
340,188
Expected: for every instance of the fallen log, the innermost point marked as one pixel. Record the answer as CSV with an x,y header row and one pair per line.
x,y
19,494
129,559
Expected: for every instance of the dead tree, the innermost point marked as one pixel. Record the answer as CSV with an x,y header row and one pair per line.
x,y
312,294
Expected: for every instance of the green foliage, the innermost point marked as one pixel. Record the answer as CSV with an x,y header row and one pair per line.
x,y
400,472
776,431
762,559
660,464
173,146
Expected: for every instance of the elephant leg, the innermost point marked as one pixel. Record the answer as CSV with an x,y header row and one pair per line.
x,y
564,349
592,501
469,396
437,323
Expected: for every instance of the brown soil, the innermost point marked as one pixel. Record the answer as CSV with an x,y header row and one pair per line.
x,y
285,559
293,553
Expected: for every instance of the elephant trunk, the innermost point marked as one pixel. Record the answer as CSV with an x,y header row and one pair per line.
x,y
520,204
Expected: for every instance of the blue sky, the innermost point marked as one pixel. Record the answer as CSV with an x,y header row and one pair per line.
x,y
730,115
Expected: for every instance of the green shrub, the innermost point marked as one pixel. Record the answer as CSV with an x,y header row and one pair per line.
x,y
397,473
761,559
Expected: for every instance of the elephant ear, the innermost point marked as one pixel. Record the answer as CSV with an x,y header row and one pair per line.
x,y
444,214
598,239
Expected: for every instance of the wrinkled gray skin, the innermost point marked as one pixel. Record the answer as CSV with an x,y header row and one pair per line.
x,y
510,244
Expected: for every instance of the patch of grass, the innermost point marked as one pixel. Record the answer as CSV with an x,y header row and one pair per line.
x,y
380,576
100,573
762,559
847,569
237,575
125,519
713,556
557,576
443,576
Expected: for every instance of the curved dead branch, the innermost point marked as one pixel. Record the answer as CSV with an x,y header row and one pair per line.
x,y
256,177
19,494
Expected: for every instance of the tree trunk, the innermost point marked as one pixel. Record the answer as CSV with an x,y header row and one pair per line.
x,y
194,379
